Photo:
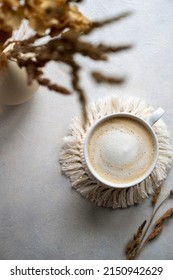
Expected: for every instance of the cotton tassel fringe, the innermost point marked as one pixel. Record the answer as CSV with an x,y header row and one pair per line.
x,y
74,166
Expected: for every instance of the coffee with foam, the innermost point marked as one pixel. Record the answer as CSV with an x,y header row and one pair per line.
x,y
121,150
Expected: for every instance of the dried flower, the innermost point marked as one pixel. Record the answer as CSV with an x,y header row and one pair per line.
x,y
62,26
54,15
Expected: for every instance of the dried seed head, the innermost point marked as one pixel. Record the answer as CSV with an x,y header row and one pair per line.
x,y
133,244
155,196
164,217
157,230
171,192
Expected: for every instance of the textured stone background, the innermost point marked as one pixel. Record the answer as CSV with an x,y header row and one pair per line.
x,y
41,217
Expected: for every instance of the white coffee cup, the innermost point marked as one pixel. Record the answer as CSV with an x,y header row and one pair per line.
x,y
121,149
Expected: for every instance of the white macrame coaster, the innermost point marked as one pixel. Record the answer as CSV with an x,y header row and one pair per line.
x,y
74,166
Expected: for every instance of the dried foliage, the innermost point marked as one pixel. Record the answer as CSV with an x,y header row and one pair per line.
x,y
135,246
61,25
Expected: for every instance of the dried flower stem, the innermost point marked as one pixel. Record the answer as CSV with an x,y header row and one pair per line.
x,y
149,224
157,228
136,248
79,90
154,213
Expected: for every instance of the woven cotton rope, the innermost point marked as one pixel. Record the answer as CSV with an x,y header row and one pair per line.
x,y
74,166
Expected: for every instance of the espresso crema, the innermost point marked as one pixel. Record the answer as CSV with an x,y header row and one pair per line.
x,y
121,150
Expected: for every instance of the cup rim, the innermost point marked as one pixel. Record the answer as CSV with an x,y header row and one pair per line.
x,y
141,178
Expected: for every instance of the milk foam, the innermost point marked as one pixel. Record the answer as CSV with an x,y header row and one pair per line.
x,y
121,150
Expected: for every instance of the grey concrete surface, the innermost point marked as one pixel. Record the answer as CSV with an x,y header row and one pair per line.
x,y
41,217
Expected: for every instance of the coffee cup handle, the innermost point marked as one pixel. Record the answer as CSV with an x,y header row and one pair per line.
x,y
157,114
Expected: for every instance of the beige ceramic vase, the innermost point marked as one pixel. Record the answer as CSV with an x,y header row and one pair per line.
x,y
14,89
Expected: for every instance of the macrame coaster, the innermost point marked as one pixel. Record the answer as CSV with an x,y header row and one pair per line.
x,y
74,166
